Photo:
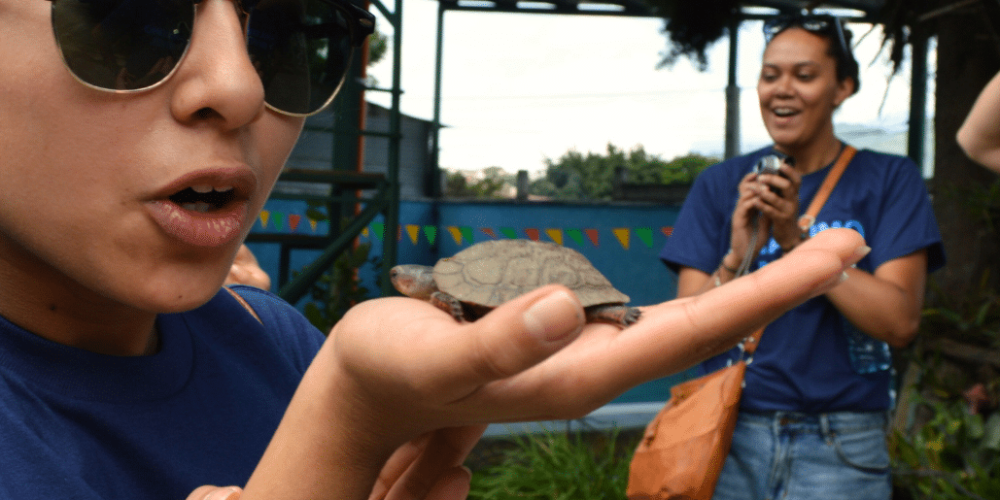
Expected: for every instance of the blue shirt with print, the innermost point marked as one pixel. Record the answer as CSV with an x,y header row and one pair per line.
x,y
803,362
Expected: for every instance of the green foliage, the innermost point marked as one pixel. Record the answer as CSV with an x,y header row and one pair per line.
x,y
558,466
973,318
576,176
339,288
491,186
692,27
954,456
378,47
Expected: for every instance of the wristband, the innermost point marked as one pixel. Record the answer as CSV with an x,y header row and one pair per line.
x,y
724,266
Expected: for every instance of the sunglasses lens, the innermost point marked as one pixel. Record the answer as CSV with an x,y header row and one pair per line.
x,y
302,51
122,44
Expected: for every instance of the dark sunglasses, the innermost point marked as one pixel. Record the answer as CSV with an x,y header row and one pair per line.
x,y
300,48
820,24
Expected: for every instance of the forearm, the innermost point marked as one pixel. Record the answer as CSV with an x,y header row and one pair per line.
x,y
323,448
880,308
979,135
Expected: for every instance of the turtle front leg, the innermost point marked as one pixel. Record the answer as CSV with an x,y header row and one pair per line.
x,y
618,314
448,304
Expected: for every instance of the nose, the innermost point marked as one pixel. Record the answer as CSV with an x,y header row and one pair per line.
x,y
217,81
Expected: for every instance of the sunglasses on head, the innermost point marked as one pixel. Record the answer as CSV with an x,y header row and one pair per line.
x,y
821,24
301,49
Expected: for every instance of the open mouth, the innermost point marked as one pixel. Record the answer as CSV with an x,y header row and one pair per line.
x,y
203,198
784,112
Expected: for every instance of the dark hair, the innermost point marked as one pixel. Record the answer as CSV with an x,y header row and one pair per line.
x,y
828,27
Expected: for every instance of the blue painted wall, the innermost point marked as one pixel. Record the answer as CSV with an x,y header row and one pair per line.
x,y
621,240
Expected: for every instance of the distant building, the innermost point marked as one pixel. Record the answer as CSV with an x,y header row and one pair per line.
x,y
315,150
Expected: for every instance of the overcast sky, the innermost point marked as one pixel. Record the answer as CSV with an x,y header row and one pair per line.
x,y
519,88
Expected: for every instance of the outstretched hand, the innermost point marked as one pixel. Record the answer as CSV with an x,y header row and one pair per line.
x,y
396,368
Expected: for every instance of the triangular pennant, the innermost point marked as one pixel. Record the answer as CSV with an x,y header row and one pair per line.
x,y
314,222
414,231
379,229
467,233
509,232
264,217
592,235
293,222
430,232
623,234
279,220
488,231
576,235
556,235
399,233
646,235
456,233
533,234
668,231
364,232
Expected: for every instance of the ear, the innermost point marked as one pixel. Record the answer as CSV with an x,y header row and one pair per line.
x,y
845,89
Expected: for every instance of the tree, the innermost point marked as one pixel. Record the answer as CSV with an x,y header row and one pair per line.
x,y
575,176
490,186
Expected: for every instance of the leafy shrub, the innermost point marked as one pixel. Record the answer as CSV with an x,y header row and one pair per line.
x,y
558,466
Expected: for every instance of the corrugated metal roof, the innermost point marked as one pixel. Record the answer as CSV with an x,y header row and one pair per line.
x,y
639,8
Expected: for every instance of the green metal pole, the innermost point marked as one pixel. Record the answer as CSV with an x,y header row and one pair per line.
x,y
390,242
918,99
733,95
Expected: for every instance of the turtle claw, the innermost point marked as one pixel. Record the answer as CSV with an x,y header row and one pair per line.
x,y
448,304
618,314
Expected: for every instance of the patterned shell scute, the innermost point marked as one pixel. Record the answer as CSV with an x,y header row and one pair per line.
x,y
494,272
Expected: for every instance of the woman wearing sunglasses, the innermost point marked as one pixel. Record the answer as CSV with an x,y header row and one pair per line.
x,y
139,140
814,409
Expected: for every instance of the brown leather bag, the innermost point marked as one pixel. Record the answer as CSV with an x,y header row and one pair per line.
x,y
685,446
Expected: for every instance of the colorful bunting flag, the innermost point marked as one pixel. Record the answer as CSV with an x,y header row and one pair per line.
x,y
293,222
623,234
264,217
489,232
314,222
668,231
556,235
456,233
414,231
646,235
576,235
533,234
592,235
379,229
431,233
509,232
279,220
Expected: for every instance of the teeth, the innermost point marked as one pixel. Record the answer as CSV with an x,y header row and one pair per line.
x,y
198,206
205,189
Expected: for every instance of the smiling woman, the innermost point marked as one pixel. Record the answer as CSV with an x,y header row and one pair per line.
x,y
821,371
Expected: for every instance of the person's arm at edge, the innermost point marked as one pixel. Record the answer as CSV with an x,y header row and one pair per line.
x,y
979,135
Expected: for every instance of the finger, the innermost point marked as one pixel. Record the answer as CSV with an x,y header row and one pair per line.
x,y
215,493
438,465
397,464
453,485
510,339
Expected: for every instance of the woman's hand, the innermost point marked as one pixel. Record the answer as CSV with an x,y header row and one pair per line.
x,y
396,368
746,220
782,210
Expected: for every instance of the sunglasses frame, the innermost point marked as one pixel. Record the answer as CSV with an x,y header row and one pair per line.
x,y
362,25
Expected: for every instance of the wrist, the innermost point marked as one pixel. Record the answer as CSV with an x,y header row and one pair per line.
x,y
727,265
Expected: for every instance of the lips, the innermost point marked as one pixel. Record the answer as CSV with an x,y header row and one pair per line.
x,y
205,209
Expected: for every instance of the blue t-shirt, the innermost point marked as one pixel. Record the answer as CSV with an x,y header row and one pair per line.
x,y
803,362
75,424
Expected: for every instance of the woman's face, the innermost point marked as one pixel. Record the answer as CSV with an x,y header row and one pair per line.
x,y
102,193
798,89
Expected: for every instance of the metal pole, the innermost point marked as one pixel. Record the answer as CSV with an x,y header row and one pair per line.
x,y
435,174
733,95
389,243
918,99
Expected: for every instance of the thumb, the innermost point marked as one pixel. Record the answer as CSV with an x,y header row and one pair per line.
x,y
521,333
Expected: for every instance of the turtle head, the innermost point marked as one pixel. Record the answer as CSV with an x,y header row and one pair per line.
x,y
413,280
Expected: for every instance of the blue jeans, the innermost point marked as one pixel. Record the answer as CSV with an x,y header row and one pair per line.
x,y
793,456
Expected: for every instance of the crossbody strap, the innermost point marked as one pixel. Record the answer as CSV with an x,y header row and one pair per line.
x,y
808,219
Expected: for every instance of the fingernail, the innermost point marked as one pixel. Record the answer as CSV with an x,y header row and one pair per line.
x,y
554,317
860,252
843,276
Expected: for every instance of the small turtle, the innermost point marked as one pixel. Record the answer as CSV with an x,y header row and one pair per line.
x,y
485,275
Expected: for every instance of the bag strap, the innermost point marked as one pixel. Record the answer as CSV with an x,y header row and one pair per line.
x,y
809,218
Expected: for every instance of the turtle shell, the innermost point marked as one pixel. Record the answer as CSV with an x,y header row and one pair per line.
x,y
493,272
